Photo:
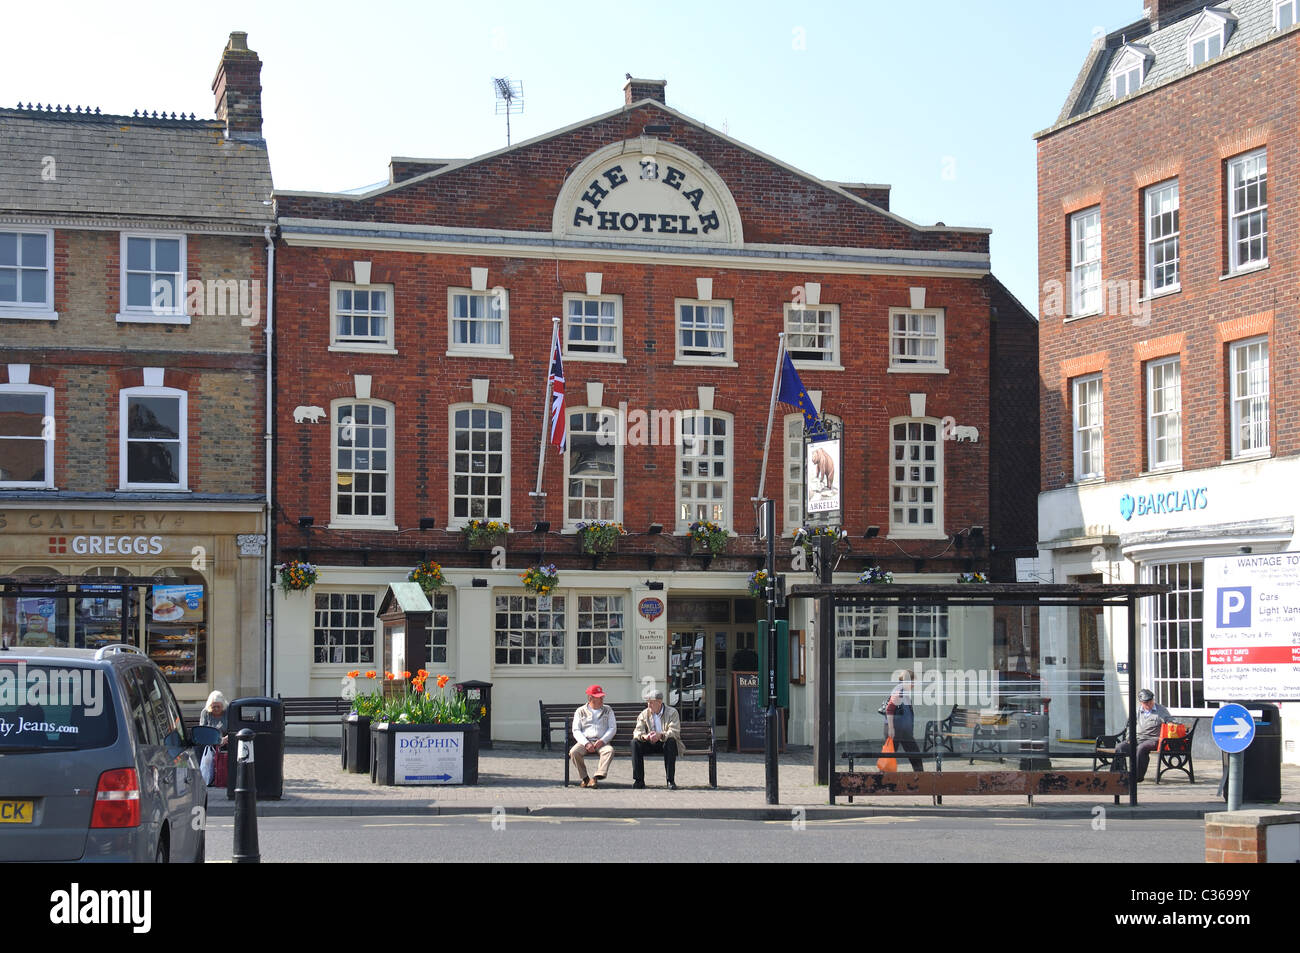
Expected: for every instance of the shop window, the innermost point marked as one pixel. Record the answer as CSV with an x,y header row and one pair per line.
x,y
38,618
1174,634
480,480
922,632
27,274
600,630
592,490
153,439
98,617
528,634
176,626
26,436
593,327
344,629
861,632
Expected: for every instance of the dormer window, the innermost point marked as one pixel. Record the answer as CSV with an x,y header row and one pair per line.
x,y
1284,14
1129,70
1209,35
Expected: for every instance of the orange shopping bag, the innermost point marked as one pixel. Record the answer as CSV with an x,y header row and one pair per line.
x,y
887,765
1172,729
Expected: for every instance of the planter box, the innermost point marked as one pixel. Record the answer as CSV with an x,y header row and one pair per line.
x,y
423,754
483,543
356,743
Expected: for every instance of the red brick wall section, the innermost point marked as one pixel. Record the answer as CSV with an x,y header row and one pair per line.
x,y
1190,128
421,381
1235,844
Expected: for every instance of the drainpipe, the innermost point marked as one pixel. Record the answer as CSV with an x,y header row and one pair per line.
x,y
268,641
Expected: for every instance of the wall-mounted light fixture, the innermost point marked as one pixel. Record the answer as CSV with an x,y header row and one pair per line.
x,y
655,529
478,582
542,527
654,585
306,521
871,533
427,522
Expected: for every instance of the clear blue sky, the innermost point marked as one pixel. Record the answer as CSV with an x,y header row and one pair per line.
x,y
939,99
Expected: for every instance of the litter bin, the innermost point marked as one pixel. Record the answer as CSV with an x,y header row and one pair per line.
x,y
479,696
265,717
1261,780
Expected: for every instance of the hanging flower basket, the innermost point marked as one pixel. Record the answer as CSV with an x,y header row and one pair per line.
x,y
541,579
758,584
708,536
599,536
874,575
805,535
429,575
296,576
972,577
483,534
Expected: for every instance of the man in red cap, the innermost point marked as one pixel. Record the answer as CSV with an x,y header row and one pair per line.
x,y
593,730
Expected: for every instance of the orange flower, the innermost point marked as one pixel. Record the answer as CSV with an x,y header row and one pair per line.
x,y
423,673
354,673
406,676
419,687
443,680
370,674
389,676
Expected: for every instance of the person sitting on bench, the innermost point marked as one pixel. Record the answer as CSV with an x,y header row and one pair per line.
x,y
593,731
658,729
1150,717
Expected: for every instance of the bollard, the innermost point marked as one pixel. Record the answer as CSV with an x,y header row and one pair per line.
x,y
246,851
1236,766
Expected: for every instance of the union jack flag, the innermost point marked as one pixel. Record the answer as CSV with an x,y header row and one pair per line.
x,y
555,380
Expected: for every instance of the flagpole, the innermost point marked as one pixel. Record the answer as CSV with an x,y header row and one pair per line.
x,y
771,413
546,407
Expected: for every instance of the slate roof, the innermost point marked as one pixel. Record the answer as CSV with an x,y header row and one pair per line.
x,y
113,168
1093,89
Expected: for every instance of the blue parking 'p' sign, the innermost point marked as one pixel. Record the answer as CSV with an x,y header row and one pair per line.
x,y
1234,607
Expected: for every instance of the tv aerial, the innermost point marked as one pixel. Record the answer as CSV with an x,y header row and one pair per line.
x,y
510,99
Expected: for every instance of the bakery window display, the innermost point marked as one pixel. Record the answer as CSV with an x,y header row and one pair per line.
x,y
177,631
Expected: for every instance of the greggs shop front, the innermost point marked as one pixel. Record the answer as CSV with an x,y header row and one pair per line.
x,y
197,610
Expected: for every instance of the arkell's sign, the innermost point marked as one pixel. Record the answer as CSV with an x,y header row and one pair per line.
x,y
648,196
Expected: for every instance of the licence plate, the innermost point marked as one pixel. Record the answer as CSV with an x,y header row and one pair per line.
x,y
16,812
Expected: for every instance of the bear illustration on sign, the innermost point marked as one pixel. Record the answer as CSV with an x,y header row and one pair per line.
x,y
824,466
306,414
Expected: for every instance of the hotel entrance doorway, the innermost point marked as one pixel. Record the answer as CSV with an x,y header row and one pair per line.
x,y
709,638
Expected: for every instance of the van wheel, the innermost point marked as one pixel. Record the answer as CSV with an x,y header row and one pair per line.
x,y
160,855
200,856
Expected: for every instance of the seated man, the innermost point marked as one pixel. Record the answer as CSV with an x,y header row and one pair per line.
x,y
1150,717
658,729
593,730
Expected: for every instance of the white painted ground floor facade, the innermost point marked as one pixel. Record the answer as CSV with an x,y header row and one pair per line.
x,y
1159,529
613,629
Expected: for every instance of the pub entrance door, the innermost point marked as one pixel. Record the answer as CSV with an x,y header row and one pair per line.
x,y
709,638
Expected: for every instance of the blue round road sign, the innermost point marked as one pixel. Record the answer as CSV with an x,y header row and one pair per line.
x,y
1232,728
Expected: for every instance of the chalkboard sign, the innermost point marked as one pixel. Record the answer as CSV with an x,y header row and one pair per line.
x,y
748,714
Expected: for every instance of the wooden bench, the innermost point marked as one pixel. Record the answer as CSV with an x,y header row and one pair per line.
x,y
1171,754
306,710
697,736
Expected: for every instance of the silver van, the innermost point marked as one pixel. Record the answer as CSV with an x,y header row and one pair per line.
x,y
95,760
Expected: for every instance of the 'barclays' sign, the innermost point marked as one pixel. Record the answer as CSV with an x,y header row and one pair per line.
x,y
1175,501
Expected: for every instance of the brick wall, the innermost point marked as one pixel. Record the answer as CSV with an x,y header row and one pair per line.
x,y
1187,129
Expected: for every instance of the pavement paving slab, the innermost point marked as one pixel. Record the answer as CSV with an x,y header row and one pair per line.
x,y
519,778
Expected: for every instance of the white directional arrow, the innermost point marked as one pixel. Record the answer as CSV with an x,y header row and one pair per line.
x,y
1241,728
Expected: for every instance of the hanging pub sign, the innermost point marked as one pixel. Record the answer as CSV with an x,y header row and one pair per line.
x,y
823,478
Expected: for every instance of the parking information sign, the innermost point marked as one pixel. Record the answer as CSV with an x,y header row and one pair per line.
x,y
1233,729
1251,627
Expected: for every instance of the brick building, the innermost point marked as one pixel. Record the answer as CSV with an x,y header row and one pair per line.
x,y
414,328
133,377
1167,255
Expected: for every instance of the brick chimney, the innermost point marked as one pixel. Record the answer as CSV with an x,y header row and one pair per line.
x,y
238,88
1161,12
635,90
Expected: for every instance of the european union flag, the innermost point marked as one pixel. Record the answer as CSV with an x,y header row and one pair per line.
x,y
793,392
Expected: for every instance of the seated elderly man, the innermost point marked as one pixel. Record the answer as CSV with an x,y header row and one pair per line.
x,y
658,730
593,731
1150,717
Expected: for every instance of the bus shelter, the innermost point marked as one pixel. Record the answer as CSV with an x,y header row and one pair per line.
x,y
1015,688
